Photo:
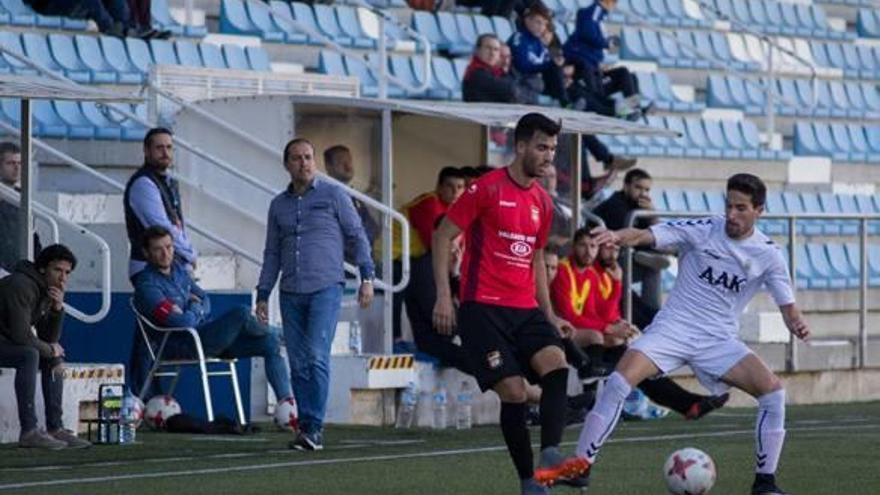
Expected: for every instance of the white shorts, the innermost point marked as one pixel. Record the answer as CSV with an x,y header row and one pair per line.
x,y
710,357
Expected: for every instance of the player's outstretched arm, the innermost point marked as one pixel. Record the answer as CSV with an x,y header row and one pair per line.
x,y
630,237
444,311
795,321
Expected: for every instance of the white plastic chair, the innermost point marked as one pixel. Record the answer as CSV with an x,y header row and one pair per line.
x,y
171,367
738,48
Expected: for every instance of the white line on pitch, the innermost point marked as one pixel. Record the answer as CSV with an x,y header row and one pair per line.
x,y
439,453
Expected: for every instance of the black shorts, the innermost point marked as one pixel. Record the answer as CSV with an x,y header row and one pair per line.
x,y
499,341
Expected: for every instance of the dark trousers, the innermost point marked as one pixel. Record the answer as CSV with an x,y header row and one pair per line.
x,y
140,13
598,149
420,296
103,12
620,79
554,86
397,300
26,361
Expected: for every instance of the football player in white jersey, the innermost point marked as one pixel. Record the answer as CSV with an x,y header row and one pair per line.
x,y
723,262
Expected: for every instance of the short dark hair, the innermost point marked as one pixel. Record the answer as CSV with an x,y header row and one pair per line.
x,y
483,170
331,152
531,123
449,173
296,141
153,232
538,8
634,175
483,37
55,252
8,147
751,185
155,131
469,172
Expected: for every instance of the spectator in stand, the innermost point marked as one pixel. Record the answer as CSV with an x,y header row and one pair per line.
x,y
165,293
33,296
506,58
10,175
423,213
648,264
113,17
339,165
533,64
308,227
485,79
585,48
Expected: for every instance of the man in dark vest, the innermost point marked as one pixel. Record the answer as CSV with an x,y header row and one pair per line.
x,y
152,198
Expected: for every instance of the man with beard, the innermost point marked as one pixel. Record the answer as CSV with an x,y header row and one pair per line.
x,y
508,328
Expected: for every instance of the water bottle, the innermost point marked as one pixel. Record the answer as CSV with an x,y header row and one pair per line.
x,y
464,407
409,398
127,430
355,344
440,407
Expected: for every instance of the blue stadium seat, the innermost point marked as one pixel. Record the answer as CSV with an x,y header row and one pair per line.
x,y
49,124
234,20
654,47
139,54
734,135
359,69
676,10
856,98
188,53
675,200
830,204
789,102
235,57
865,204
715,201
163,52
807,278
773,14
132,130
756,93
468,30
811,203
741,12
807,21
631,46
794,205
649,91
867,61
823,268
284,19
262,19
401,68
820,54
78,127
444,74
872,136
394,91
212,56
697,136
104,127
449,29
63,51
304,15
12,42
703,46
258,59
790,20
20,14
805,140
842,140
351,27
841,100
715,138
329,25
696,201
851,57
721,49
89,52
503,27
758,14
117,58
330,62
853,256
827,143
840,264
683,48
425,24
859,145
36,48
483,25
684,142
435,90
163,20
867,23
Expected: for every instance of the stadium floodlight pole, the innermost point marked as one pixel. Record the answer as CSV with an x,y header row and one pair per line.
x,y
791,357
25,215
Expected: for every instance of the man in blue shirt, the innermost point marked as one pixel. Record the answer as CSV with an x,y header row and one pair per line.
x,y
531,57
165,293
308,228
585,48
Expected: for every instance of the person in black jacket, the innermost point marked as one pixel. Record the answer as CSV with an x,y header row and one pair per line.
x,y
484,78
33,295
10,175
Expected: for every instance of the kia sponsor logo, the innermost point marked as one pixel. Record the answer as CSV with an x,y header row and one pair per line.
x,y
520,249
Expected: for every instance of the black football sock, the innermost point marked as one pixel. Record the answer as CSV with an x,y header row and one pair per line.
x,y
516,436
553,402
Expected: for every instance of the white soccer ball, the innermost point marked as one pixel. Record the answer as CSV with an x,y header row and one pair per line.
x,y
159,409
138,411
286,415
689,471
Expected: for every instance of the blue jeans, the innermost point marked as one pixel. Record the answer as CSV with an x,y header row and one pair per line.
x,y
237,334
309,327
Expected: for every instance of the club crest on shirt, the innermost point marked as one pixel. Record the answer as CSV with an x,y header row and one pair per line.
x,y
493,359
536,214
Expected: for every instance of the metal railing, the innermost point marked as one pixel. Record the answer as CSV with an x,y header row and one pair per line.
x,y
104,250
792,346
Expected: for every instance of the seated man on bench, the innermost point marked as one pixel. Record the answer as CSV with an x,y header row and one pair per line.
x,y
165,293
33,296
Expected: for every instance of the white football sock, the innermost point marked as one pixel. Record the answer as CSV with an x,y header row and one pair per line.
x,y
769,431
603,417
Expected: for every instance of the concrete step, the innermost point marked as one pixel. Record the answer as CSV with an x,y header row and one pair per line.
x,y
85,207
